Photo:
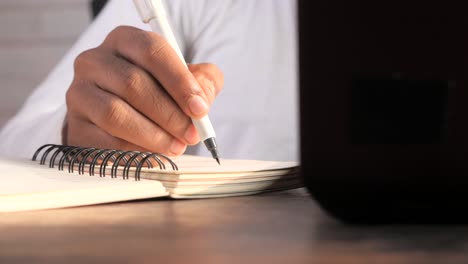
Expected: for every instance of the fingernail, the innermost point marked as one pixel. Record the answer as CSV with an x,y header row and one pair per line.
x,y
197,105
177,147
191,135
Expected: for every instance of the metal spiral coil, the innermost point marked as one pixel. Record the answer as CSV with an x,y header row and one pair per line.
x,y
71,156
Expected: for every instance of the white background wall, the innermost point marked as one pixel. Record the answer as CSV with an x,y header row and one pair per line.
x,y
34,35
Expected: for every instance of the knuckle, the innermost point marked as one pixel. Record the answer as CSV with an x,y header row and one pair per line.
x,y
113,113
215,75
158,104
83,59
132,83
158,138
72,96
187,85
167,118
213,68
210,76
176,121
153,46
207,87
171,119
70,99
118,31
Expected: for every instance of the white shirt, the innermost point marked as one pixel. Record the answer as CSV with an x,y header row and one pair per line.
x,y
254,43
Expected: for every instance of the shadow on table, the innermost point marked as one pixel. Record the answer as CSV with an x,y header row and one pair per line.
x,y
427,238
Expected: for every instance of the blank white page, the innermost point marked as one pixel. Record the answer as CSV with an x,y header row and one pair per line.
x,y
198,164
26,185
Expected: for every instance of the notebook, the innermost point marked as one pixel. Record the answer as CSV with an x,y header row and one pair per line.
x,y
65,176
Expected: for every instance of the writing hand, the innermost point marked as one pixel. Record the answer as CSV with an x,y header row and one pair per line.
x,y
132,92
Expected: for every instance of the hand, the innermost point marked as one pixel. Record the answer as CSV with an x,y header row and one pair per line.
x,y
132,92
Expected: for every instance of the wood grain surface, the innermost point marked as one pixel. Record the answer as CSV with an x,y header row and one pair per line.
x,y
284,227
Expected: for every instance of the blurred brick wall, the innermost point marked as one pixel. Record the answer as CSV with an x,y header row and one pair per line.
x,y
34,35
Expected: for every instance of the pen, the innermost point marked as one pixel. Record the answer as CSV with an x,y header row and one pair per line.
x,y
153,13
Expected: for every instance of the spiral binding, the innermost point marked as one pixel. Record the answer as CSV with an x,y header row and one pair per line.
x,y
71,155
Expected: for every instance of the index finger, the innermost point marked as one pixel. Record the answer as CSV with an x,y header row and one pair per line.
x,y
153,53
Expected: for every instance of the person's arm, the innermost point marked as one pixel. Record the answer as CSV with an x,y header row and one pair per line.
x,y
253,42
130,92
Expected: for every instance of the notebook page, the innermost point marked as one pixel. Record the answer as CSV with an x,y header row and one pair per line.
x,y
199,164
26,185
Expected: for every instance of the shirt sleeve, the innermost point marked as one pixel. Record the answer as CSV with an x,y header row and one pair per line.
x,y
41,118
252,42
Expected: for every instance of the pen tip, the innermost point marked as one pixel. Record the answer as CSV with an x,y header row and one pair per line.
x,y
217,159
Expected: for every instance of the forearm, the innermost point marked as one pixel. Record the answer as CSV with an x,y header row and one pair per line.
x,y
29,130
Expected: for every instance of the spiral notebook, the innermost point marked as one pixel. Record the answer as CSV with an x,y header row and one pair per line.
x,y
64,176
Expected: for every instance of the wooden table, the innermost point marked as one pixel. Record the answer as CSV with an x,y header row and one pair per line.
x,y
286,227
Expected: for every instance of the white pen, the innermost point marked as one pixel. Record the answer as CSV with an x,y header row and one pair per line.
x,y
153,13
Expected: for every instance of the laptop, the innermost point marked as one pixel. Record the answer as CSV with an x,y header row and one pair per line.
x,y
384,109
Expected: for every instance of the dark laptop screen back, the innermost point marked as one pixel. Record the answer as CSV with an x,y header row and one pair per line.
x,y
384,108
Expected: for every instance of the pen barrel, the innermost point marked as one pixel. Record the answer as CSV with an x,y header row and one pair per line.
x,y
204,128
203,125
153,12
158,24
